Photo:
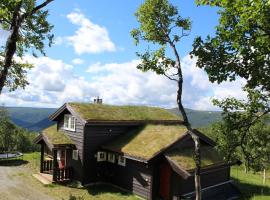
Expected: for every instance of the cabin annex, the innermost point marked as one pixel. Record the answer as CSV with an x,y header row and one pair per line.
x,y
144,150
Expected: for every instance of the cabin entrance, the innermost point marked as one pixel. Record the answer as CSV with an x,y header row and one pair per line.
x,y
164,181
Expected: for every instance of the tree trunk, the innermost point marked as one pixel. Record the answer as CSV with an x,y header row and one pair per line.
x,y
264,176
196,139
197,156
11,46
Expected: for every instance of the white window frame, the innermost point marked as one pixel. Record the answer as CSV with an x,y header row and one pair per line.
x,y
101,158
111,157
75,154
122,162
68,120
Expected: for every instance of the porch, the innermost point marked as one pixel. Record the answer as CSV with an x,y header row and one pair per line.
x,y
55,155
55,166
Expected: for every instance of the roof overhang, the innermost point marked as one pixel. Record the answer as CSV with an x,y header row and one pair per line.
x,y
176,168
64,107
41,137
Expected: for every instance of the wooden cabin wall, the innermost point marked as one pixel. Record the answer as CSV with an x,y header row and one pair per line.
x,y
135,177
95,137
181,186
77,137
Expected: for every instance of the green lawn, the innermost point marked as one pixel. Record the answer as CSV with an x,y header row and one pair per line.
x,y
251,185
30,164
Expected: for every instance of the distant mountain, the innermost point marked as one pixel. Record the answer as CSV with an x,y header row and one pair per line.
x,y
36,119
200,118
33,119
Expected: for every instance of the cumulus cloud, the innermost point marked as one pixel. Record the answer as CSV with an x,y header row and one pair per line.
x,y
89,37
77,61
53,82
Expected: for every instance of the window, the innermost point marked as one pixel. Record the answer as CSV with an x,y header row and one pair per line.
x,y
75,154
111,157
69,123
121,161
101,156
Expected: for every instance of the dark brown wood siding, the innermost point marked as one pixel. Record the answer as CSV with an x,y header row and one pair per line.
x,y
208,178
135,177
77,137
95,137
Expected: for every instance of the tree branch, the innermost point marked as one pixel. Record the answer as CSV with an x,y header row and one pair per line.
x,y
172,79
37,8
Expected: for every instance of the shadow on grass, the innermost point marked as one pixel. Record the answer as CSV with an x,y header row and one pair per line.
x,y
104,188
13,162
250,190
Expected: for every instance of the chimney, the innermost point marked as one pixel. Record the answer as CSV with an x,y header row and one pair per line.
x,y
98,100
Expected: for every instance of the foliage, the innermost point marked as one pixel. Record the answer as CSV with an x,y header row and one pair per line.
x,y
241,45
13,138
28,28
244,132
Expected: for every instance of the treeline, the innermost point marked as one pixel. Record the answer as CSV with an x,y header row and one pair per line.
x,y
14,138
250,145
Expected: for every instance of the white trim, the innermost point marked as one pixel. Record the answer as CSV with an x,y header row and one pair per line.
x,y
111,157
122,162
101,158
69,120
75,154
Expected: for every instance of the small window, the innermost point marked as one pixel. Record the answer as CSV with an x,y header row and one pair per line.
x,y
111,157
101,156
69,122
75,154
121,161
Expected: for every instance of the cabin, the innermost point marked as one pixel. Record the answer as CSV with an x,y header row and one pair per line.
x,y
143,150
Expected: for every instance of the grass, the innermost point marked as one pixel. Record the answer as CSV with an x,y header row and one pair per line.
x,y
61,192
251,185
148,140
56,137
102,112
184,157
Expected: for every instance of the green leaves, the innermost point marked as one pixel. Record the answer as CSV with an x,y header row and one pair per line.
x,y
241,47
31,30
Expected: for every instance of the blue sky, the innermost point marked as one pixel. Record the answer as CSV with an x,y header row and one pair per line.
x,y
95,55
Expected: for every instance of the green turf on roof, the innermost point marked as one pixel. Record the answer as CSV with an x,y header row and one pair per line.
x,y
56,137
146,141
184,157
121,113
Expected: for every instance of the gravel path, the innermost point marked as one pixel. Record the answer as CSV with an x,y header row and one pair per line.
x,y
14,185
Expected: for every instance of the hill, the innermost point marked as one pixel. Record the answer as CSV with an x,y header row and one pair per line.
x,y
33,119
199,118
36,119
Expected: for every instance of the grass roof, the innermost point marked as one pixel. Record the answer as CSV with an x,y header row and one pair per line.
x,y
104,112
56,137
147,141
185,157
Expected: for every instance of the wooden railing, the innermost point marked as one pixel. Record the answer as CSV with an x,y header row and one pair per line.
x,y
47,166
60,175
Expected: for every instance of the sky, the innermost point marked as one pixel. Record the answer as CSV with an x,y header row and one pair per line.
x,y
94,55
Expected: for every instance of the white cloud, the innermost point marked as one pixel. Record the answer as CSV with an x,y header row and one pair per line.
x,y
90,37
53,82
77,61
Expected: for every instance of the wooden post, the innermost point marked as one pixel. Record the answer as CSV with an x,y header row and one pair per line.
x,y
41,157
55,164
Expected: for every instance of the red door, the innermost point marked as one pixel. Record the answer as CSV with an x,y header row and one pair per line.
x,y
164,181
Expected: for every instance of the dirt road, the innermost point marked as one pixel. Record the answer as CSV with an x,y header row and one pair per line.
x,y
14,185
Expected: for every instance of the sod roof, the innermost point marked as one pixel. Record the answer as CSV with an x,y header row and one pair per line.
x,y
102,112
185,157
56,137
147,141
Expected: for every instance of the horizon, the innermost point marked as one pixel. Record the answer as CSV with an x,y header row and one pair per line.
x,y
94,55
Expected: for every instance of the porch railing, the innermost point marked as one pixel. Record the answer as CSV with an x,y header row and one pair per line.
x,y
60,175
47,166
